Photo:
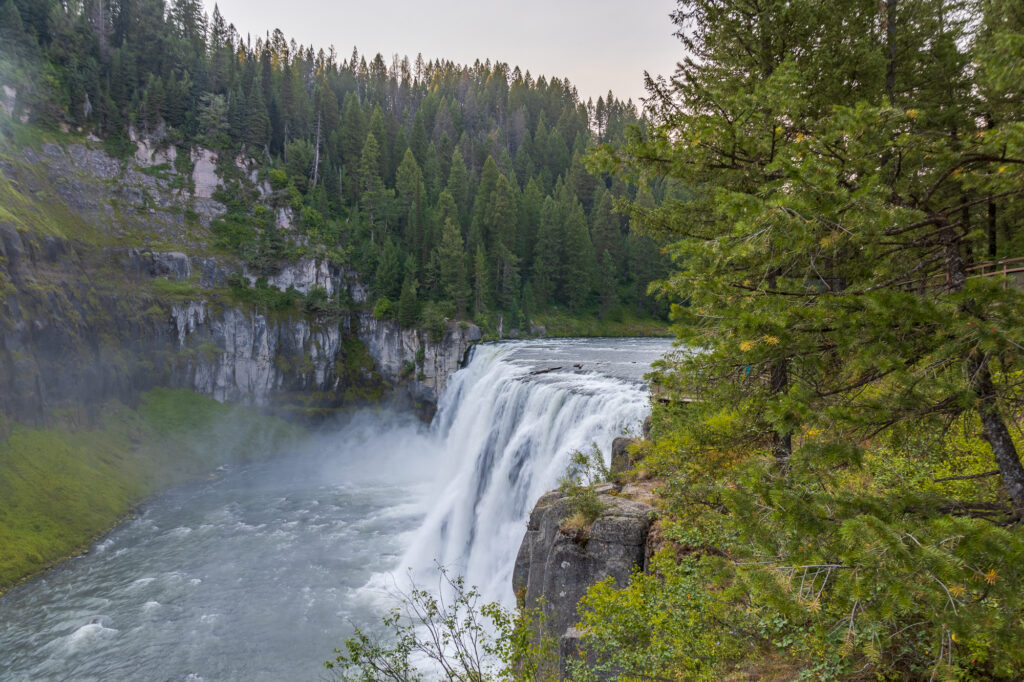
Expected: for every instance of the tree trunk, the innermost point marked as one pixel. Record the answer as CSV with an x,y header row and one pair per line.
x,y
997,434
890,43
782,441
993,242
980,378
316,155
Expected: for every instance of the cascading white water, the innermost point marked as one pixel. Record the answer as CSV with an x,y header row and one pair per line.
x,y
507,436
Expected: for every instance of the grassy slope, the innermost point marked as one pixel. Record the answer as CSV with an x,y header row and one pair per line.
x,y
60,488
41,212
562,324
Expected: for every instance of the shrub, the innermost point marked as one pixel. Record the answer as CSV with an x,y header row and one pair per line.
x,y
452,637
316,301
585,471
383,309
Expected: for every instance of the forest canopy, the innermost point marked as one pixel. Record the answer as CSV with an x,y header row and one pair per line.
x,y
456,191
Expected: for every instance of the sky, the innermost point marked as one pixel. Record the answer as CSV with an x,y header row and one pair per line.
x,y
600,45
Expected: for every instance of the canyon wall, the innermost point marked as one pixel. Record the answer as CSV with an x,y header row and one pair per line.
x,y
109,286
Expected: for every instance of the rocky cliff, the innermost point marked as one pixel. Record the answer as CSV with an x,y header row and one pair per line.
x,y
559,561
109,286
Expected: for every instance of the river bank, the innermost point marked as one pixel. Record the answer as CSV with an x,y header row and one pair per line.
x,y
67,485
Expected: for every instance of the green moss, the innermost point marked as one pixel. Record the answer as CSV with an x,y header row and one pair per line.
x,y
60,488
174,289
41,212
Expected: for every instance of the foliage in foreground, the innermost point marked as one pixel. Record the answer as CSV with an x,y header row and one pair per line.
x,y
845,497
448,634
858,568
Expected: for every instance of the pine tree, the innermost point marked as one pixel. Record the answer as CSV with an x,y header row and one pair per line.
x,y
257,122
409,191
388,279
408,304
608,284
481,281
451,258
482,203
371,186
458,186
606,228
579,259
547,264
529,219
810,232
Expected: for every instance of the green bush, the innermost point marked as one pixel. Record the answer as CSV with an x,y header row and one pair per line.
x,y
454,637
585,471
383,309
317,301
262,294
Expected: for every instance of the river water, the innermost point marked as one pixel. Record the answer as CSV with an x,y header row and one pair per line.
x,y
260,571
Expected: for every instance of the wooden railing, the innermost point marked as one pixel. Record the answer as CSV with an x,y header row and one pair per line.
x,y
1011,268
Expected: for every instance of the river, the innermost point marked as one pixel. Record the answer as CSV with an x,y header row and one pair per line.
x,y
260,571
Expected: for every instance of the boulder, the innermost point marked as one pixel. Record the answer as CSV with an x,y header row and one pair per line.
x,y
621,459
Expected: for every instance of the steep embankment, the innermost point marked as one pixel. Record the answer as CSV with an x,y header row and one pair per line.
x,y
110,288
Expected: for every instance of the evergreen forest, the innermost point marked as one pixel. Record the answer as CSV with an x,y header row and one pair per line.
x,y
455,191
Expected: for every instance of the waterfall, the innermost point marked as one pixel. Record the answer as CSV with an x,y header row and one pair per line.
x,y
506,436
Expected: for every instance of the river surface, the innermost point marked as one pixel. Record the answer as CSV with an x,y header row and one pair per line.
x,y
260,571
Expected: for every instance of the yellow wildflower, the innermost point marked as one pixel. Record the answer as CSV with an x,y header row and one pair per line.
x,y
912,113
991,577
746,345
771,340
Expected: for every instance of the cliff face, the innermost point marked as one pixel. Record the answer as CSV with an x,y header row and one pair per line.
x,y
409,355
90,310
557,564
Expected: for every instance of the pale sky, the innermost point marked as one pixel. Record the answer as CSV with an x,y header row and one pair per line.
x,y
599,45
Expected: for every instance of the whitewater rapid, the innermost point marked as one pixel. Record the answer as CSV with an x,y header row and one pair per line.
x,y
261,571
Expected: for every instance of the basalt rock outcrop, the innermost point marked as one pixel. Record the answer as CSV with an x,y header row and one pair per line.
x,y
411,358
557,564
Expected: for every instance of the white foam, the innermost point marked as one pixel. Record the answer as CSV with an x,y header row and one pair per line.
x,y
88,634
